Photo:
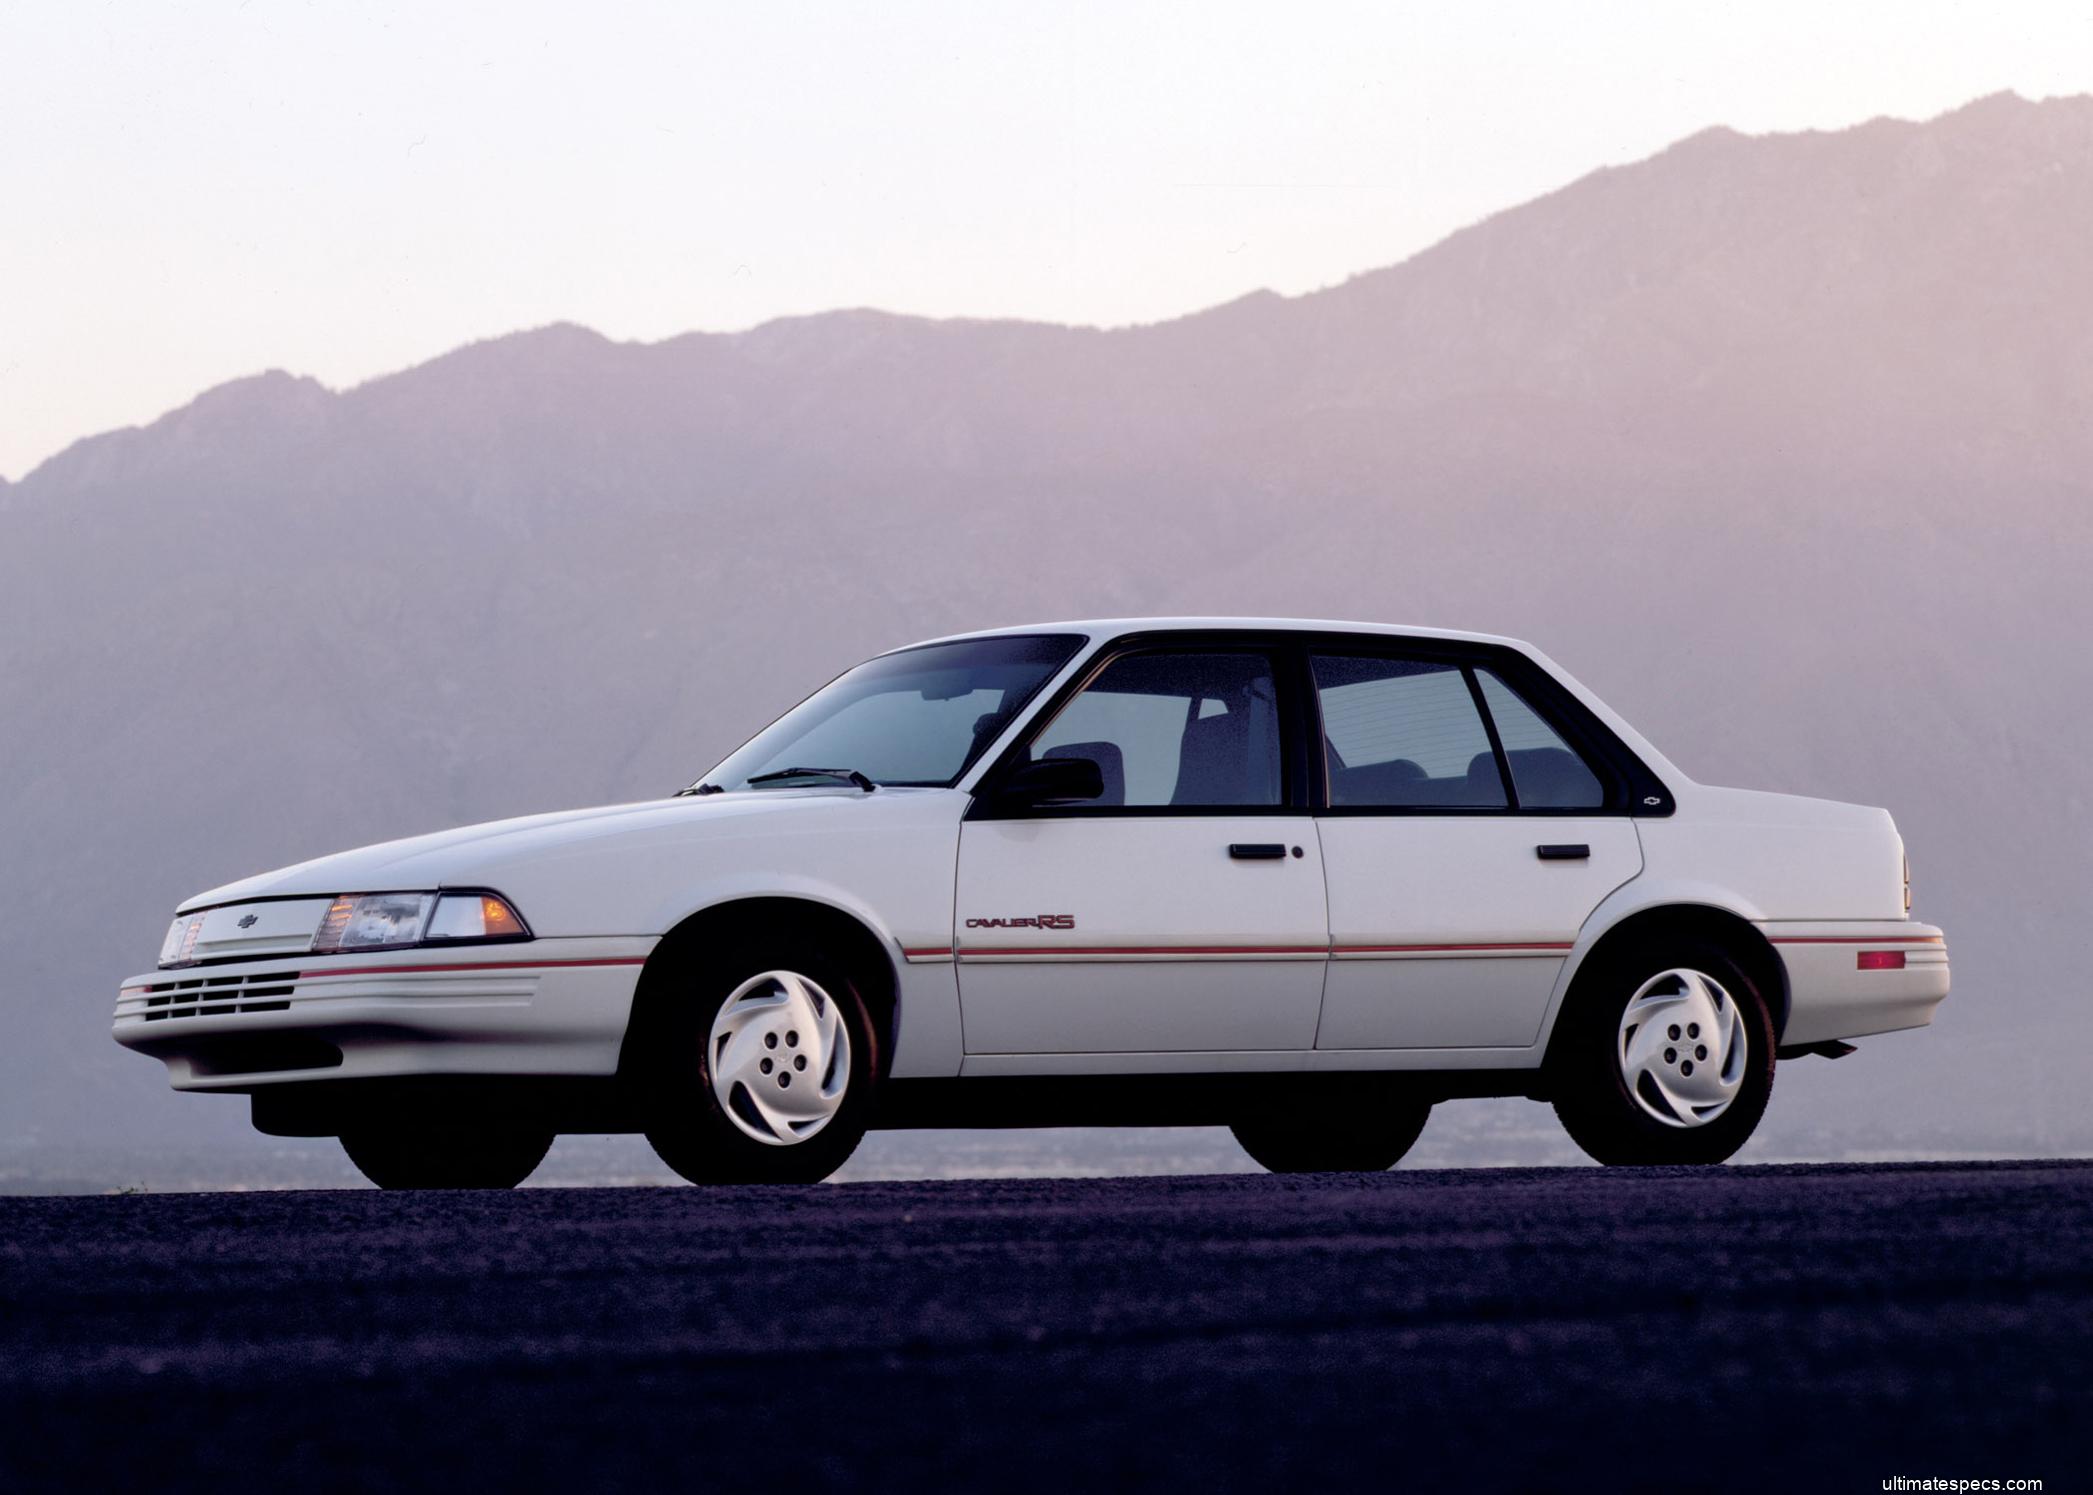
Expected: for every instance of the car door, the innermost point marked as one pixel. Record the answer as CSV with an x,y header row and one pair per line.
x,y
1465,842
1182,911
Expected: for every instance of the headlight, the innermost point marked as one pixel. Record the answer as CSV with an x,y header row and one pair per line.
x,y
392,921
181,939
374,921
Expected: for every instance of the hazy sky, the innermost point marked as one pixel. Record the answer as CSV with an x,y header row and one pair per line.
x,y
193,192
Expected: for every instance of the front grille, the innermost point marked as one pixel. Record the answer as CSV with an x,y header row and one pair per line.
x,y
212,996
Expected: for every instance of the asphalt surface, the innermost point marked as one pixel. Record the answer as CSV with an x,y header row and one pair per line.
x,y
1825,1327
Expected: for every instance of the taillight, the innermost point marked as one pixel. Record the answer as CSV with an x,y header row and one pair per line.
x,y
1881,960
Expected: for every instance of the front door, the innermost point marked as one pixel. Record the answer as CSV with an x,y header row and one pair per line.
x,y
1183,911
1466,844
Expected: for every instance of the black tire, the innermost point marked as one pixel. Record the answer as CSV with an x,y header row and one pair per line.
x,y
1372,1136
1590,1093
679,999
438,1158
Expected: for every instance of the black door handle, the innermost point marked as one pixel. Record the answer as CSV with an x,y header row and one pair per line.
x,y
1569,851
1257,851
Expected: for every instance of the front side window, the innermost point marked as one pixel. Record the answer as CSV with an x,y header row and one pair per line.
x,y
1546,773
917,717
1404,733
1175,730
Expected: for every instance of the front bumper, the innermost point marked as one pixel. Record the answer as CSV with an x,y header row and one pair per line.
x,y
545,1007
1830,994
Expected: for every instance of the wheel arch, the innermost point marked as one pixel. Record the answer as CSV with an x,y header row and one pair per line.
x,y
842,931
1721,926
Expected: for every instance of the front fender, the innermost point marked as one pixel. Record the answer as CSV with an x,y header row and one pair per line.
x,y
888,860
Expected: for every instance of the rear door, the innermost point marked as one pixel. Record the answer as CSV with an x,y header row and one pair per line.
x,y
1465,842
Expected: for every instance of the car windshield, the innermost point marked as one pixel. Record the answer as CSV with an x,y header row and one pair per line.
x,y
916,717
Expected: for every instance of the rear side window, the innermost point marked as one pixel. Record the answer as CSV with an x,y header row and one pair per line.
x,y
1545,772
1404,733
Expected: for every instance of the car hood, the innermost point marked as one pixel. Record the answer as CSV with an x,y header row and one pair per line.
x,y
477,855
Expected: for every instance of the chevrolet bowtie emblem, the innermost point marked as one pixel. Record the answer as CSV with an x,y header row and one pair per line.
x,y
247,920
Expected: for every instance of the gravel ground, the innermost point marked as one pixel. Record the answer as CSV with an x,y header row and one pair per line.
x,y
1826,1327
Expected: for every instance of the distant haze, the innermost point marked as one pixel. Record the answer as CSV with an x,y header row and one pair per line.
x,y
1783,444
197,192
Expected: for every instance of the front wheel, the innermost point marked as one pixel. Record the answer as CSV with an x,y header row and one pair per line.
x,y
440,1159
758,1068
1353,1136
1668,1058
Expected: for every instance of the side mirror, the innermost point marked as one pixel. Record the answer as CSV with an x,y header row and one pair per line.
x,y
1050,781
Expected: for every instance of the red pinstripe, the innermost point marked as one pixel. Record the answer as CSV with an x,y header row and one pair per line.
x,y
1846,939
1548,945
481,965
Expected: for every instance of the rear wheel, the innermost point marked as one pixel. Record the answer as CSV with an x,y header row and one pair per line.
x,y
441,1159
1668,1058
757,1067
1349,1135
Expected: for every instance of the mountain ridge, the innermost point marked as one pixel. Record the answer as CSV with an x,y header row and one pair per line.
x,y
2004,106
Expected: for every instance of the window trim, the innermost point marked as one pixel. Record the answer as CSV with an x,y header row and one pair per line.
x,y
1631,789
1287,667
1505,781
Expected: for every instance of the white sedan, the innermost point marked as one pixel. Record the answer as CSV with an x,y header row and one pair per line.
x,y
1300,879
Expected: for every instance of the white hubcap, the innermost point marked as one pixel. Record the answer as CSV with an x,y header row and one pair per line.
x,y
780,1057
1683,1048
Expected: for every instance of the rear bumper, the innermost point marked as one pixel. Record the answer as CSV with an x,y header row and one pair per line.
x,y
1832,995
547,1007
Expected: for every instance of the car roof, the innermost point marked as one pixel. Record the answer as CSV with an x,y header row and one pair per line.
x,y
1112,627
